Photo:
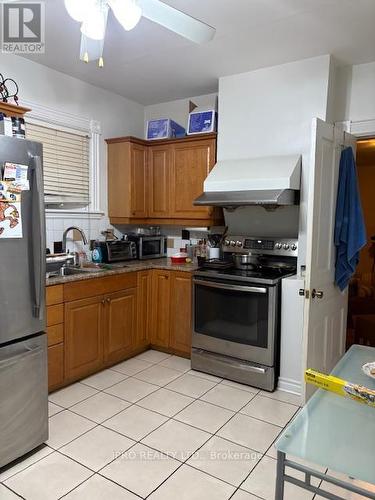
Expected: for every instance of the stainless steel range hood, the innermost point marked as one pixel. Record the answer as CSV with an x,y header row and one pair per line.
x,y
273,180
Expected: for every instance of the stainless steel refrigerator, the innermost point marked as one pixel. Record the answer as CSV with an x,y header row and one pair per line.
x,y
23,341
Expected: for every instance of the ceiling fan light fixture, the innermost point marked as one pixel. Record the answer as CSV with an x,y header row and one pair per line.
x,y
77,9
127,12
95,21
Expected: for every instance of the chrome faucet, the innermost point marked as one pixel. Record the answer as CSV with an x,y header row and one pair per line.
x,y
71,228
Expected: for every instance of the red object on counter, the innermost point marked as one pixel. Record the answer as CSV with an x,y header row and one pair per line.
x,y
179,258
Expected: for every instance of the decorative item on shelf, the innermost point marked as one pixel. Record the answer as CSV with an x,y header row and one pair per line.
x,y
9,91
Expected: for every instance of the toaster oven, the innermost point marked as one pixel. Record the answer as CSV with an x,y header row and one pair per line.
x,y
118,250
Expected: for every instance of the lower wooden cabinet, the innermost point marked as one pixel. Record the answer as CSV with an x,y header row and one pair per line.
x,y
144,309
180,312
120,325
104,321
84,324
55,336
171,318
55,366
160,323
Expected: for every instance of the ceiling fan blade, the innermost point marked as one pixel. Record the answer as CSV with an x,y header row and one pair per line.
x,y
93,49
177,21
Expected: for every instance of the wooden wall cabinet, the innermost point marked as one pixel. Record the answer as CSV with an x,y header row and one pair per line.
x,y
157,181
190,165
159,163
127,180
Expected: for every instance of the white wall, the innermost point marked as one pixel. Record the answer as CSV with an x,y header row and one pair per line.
x,y
179,110
269,112
362,96
117,115
355,92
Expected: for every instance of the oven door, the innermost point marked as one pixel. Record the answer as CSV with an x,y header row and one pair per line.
x,y
150,248
236,319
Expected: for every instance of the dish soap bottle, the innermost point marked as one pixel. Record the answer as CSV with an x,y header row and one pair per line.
x,y
97,255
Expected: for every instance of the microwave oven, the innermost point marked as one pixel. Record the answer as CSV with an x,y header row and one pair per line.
x,y
149,247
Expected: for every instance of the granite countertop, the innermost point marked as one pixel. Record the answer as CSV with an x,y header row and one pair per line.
x,y
124,267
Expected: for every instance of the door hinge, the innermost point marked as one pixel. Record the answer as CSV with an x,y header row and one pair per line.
x,y
304,293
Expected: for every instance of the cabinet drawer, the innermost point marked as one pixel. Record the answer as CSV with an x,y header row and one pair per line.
x,y
55,366
54,295
55,314
99,286
55,334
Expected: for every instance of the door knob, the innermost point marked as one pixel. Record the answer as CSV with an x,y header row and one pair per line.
x,y
317,293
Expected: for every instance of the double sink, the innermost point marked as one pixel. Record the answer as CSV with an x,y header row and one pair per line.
x,y
73,270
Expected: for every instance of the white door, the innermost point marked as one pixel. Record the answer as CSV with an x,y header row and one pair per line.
x,y
325,311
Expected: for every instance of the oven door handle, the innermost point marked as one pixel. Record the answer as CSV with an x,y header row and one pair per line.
x,y
237,288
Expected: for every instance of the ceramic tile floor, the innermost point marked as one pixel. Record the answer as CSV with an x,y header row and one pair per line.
x,y
150,427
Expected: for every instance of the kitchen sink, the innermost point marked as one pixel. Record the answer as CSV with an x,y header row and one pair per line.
x,y
73,271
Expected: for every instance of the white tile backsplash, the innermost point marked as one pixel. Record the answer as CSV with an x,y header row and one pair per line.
x,y
56,226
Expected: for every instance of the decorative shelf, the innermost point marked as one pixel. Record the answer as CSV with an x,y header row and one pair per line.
x,y
12,110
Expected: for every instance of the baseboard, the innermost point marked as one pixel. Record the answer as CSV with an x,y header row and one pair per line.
x,y
290,385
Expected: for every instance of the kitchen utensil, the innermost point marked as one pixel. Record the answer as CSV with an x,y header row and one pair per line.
x,y
213,252
245,261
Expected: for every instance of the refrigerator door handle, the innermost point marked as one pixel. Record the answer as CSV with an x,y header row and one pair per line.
x,y
38,243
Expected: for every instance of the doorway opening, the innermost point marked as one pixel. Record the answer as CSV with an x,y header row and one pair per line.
x,y
361,306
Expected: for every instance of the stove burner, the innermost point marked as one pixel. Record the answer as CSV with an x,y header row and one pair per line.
x,y
217,264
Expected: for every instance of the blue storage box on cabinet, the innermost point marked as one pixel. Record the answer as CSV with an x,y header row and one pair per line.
x,y
202,122
164,129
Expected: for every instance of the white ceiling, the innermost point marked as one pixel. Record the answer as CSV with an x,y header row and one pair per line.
x,y
151,64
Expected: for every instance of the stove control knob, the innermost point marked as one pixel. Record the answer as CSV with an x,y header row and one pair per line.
x,y
285,246
232,243
278,246
227,243
239,243
293,247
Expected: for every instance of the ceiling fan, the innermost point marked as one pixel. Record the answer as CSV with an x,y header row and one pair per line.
x,y
92,14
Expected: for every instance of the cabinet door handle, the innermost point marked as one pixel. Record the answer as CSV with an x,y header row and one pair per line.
x,y
103,302
108,300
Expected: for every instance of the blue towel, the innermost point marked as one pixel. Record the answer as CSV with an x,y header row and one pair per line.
x,y
350,231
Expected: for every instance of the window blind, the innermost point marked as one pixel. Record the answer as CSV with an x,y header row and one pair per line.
x,y
66,164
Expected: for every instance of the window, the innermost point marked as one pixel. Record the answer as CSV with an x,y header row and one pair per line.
x,y
66,161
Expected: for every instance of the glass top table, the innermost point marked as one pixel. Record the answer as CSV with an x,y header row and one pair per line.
x,y
334,431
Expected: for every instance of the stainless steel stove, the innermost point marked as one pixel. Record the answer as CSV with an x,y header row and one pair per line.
x,y
236,312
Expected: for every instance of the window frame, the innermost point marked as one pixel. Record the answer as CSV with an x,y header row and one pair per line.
x,y
60,120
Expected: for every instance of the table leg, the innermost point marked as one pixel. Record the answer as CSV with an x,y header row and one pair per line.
x,y
279,491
